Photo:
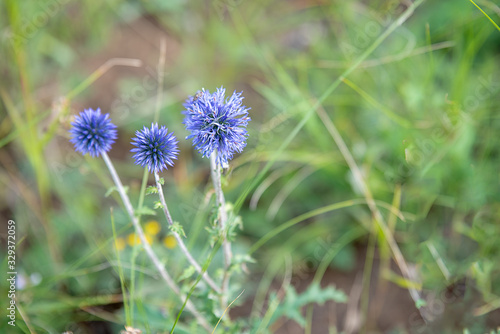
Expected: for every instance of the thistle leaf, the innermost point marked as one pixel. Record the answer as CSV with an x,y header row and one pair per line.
x,y
151,190
177,228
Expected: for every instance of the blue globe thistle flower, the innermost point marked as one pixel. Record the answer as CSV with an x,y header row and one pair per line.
x,y
92,132
156,148
217,124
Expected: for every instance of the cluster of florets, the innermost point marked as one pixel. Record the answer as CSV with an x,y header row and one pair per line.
x,y
217,126
155,148
92,132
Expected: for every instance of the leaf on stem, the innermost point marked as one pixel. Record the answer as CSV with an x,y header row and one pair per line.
x,y
177,228
188,272
113,188
232,225
145,211
239,261
214,234
151,190
291,305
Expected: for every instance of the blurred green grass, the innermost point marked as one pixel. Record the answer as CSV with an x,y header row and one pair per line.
x,y
420,114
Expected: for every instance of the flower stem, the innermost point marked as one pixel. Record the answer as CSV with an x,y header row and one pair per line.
x,y
182,246
144,183
221,204
149,251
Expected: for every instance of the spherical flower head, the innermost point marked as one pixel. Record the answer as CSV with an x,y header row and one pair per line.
x,y
155,148
217,124
92,132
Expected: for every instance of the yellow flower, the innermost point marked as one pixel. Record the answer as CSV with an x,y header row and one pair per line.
x,y
119,244
152,227
170,242
133,239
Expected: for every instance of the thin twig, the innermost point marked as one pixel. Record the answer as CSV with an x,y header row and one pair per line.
x,y
390,58
227,308
110,63
221,204
487,16
149,251
25,318
377,216
183,247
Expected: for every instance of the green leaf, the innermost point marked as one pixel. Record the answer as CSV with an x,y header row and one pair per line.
x,y
234,223
292,304
229,207
420,303
243,258
145,211
158,205
177,228
161,181
151,190
114,188
214,233
239,260
188,272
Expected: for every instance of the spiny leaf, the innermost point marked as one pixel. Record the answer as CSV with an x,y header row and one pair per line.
x,y
214,233
145,211
291,305
238,262
243,258
114,188
177,228
188,272
151,190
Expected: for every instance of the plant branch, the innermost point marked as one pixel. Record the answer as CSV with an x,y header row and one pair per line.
x,y
149,251
183,247
221,204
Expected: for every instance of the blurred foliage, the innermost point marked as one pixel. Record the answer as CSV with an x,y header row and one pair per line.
x,y
420,114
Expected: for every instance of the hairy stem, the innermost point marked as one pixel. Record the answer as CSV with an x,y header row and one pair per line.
x,y
149,251
183,247
221,204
